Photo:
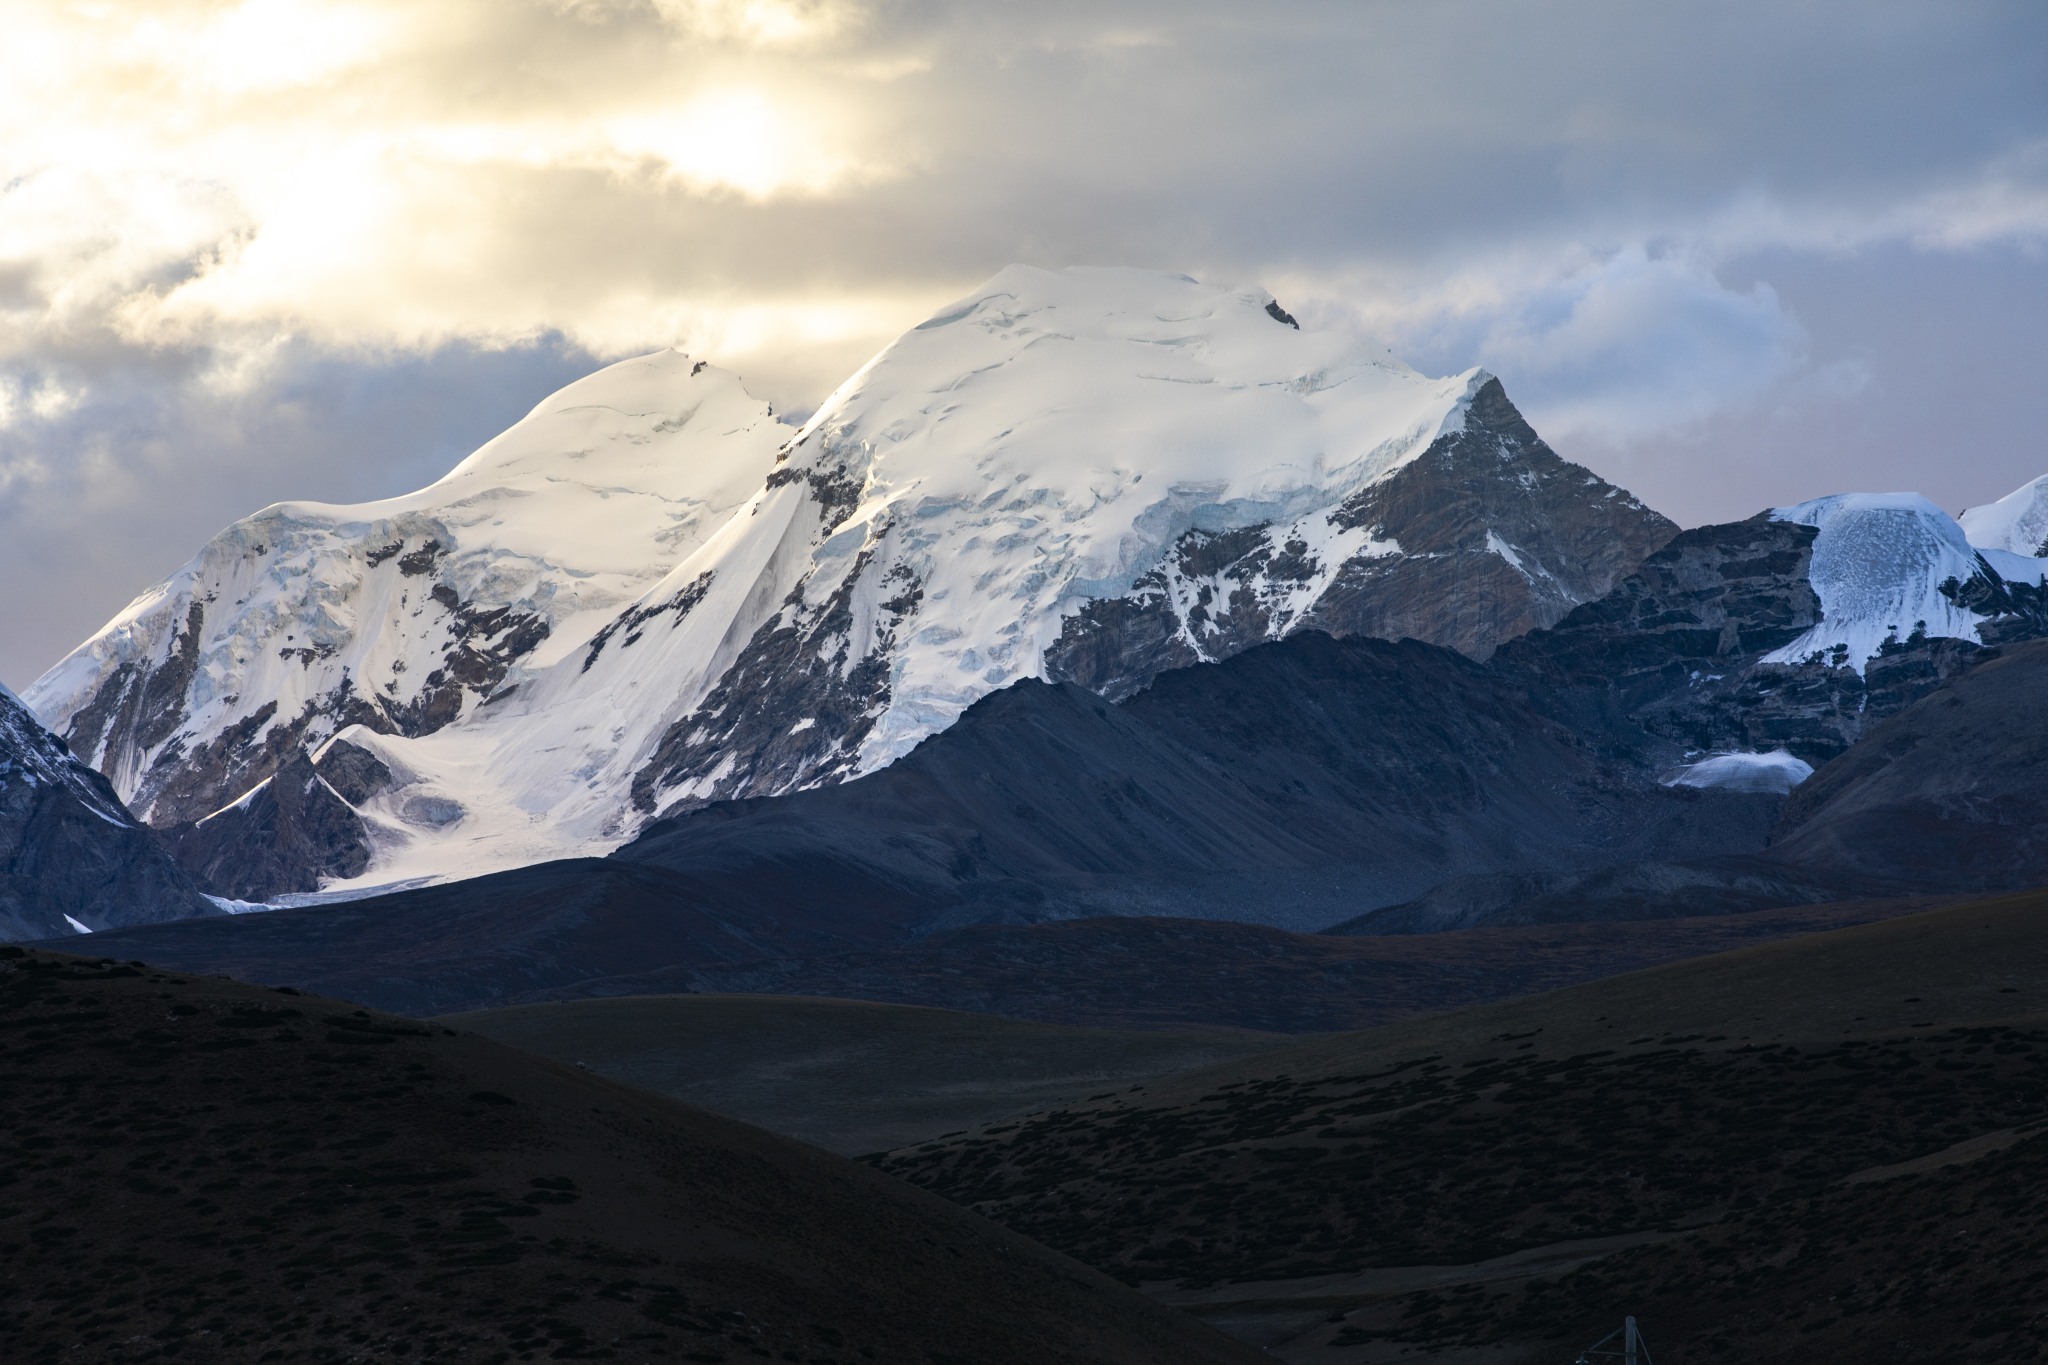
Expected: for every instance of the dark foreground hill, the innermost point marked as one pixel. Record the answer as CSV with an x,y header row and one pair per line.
x,y
1739,1119
202,1171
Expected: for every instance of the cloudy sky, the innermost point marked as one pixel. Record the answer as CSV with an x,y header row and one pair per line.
x,y
1730,255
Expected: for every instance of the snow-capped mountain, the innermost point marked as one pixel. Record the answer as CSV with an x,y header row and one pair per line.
x,y
1889,565
72,858
405,615
1084,475
2017,523
1094,475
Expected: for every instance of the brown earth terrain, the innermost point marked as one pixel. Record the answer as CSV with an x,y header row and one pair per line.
x,y
850,1076
197,1170
1714,1145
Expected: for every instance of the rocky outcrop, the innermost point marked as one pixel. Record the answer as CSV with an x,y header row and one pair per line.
x,y
1673,659
289,831
1485,535
137,720
72,858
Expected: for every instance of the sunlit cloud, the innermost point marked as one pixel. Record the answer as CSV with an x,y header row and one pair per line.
x,y
203,201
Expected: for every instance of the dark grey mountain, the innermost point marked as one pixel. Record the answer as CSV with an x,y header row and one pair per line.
x,y
1290,781
1497,536
1947,794
71,855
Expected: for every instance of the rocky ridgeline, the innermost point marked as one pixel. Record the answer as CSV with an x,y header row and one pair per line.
x,y
1679,648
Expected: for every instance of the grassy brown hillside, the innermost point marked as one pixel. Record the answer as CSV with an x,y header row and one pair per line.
x,y
1730,1095
851,1076
197,1170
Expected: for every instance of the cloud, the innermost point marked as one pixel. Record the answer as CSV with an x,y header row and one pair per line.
x,y
204,203
1611,346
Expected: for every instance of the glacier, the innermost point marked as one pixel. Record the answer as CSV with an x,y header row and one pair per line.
x,y
1879,567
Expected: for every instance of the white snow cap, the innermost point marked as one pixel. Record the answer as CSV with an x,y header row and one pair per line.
x,y
1038,443
2017,523
1878,566
564,519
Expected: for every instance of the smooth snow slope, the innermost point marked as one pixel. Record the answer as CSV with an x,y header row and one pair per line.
x,y
2017,523
1879,564
407,613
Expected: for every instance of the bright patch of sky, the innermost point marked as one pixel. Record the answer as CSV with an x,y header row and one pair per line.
x,y
1731,256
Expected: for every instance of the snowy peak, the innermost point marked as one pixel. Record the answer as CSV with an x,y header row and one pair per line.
x,y
2017,523
1891,566
404,615
647,596
1095,475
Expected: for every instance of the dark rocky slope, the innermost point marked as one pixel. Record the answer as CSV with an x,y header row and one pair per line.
x,y
205,1171
1953,789
288,832
1288,781
1675,654
1495,535
69,850
1949,794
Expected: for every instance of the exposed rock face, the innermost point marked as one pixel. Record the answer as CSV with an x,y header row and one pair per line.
x,y
139,717
72,858
1484,536
291,830
1676,652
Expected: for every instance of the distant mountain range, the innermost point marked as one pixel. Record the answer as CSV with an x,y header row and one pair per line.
x,y
1034,619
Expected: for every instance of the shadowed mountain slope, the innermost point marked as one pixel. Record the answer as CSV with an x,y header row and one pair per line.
x,y
1291,780
220,1173
1948,794
1952,789
72,858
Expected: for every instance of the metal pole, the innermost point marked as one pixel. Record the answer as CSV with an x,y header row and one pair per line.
x,y
1628,1346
